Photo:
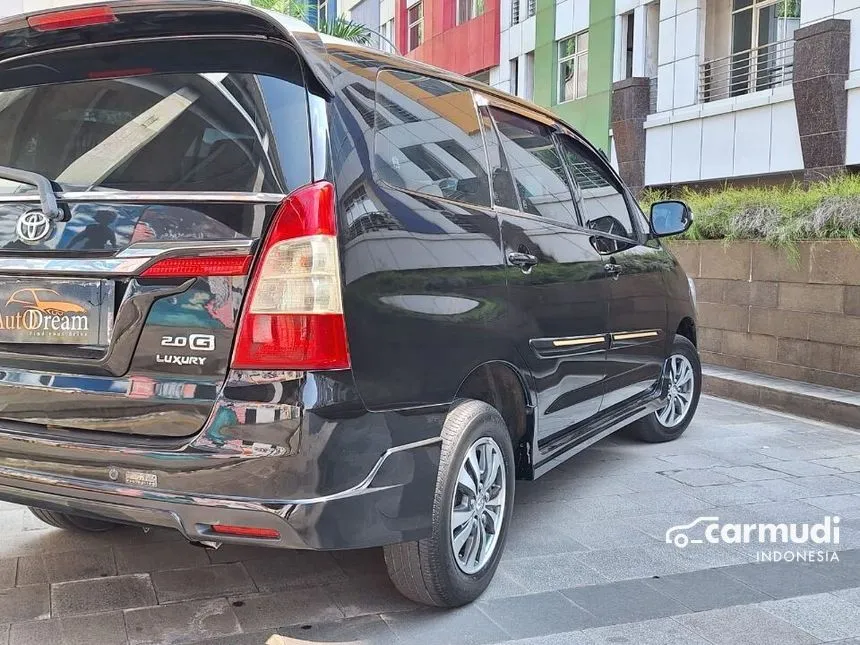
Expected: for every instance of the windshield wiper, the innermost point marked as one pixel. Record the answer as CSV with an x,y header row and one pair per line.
x,y
46,189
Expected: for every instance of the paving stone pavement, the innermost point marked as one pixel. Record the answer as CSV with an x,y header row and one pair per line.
x,y
586,560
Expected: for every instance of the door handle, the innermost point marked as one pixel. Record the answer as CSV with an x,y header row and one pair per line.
x,y
613,269
526,261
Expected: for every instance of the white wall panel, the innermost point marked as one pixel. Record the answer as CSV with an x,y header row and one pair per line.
x,y
666,44
564,19
853,137
686,82
718,146
686,34
668,8
658,155
528,31
686,151
785,152
815,11
581,15
752,141
665,87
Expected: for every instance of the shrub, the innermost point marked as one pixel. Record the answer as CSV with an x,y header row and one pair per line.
x,y
780,215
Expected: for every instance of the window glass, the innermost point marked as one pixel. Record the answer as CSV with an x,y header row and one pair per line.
x,y
573,67
504,193
604,206
159,132
536,167
416,25
430,141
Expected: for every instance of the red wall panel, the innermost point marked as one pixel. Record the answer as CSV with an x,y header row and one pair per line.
x,y
465,49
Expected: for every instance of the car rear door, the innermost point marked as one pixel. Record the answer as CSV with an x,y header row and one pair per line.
x,y
637,296
556,282
135,184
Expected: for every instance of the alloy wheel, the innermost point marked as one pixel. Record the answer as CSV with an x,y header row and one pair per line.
x,y
682,385
478,507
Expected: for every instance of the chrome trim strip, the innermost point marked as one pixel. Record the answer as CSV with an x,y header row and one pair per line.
x,y
128,262
162,197
633,335
578,340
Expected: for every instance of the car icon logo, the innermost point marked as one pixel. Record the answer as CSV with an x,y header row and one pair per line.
x,y
677,535
33,227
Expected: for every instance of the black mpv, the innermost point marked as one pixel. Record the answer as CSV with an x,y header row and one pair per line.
x,y
266,287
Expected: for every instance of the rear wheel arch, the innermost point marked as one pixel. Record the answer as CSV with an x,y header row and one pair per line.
x,y
503,386
687,329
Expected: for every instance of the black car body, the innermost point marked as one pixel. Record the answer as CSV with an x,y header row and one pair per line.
x,y
474,248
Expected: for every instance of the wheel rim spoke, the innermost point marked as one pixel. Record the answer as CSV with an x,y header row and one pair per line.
x,y
478,507
682,387
467,483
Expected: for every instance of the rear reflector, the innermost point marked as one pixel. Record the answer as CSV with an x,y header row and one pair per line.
x,y
293,314
246,531
204,267
71,18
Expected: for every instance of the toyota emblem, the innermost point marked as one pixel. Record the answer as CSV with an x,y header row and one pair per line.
x,y
33,227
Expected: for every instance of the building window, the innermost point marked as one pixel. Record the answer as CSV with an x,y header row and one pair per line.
x,y
761,50
468,9
386,30
529,76
629,29
515,73
532,7
573,67
416,25
515,12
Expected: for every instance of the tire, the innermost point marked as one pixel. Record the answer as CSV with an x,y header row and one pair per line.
x,y
652,428
427,571
73,522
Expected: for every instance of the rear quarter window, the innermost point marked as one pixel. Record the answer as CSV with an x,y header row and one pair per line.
x,y
428,138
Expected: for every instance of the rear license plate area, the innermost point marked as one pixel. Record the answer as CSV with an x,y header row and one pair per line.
x,y
61,311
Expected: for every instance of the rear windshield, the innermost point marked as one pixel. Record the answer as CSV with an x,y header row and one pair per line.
x,y
210,131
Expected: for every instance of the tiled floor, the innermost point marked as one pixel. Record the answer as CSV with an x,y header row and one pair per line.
x,y
586,560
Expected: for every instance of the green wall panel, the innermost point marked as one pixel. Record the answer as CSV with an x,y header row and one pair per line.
x,y
591,114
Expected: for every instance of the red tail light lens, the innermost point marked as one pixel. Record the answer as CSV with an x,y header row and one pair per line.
x,y
195,267
71,18
293,314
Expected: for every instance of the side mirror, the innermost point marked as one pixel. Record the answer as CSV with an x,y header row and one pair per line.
x,y
670,218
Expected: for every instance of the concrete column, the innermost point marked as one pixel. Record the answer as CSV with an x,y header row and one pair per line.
x,y
630,107
821,66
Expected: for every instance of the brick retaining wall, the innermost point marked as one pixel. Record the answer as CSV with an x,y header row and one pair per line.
x,y
759,311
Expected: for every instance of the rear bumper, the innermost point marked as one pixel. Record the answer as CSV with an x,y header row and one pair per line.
x,y
323,471
369,514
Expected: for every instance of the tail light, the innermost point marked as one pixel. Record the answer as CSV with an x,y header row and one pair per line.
x,y
192,267
72,18
293,313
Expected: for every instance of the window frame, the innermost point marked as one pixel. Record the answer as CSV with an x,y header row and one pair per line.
x,y
518,111
474,8
576,58
639,235
418,22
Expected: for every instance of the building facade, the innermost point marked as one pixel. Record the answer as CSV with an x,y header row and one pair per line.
x,y
557,53
715,90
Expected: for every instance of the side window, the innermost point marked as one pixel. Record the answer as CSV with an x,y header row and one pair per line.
x,y
504,193
604,206
428,138
536,166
